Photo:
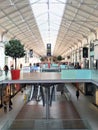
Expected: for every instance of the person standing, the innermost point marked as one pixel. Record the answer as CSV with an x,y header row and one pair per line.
x,y
6,69
77,94
30,67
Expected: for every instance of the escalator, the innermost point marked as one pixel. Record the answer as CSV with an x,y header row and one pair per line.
x,y
35,93
31,93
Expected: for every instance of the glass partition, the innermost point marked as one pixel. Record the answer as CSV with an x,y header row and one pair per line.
x,y
76,74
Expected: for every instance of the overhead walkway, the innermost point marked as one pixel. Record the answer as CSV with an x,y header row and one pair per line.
x,y
65,76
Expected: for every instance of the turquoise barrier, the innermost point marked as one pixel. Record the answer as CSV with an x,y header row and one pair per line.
x,y
76,74
95,75
54,65
62,66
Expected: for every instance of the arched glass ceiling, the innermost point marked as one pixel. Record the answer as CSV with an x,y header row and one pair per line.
x,y
48,15
62,30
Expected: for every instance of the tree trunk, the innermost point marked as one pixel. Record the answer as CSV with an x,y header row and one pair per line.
x,y
15,63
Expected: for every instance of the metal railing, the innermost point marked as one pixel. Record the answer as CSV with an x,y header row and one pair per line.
x,y
67,94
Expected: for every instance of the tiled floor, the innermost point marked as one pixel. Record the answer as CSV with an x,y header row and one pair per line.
x,y
59,110
62,112
87,111
85,108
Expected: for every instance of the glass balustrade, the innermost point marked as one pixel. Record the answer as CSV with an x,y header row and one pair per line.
x,y
72,74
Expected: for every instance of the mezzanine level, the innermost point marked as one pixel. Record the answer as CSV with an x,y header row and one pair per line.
x,y
63,76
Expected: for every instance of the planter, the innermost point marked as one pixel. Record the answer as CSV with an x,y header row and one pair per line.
x,y
15,74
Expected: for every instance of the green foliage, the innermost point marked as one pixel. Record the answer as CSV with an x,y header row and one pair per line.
x,y
42,59
59,58
14,49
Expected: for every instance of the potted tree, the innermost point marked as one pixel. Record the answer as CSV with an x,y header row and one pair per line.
x,y
42,59
15,49
59,58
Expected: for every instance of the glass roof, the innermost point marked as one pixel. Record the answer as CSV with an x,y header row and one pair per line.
x,y
39,22
48,15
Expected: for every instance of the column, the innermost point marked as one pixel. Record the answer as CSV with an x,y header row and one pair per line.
x,y
96,52
96,97
47,102
2,55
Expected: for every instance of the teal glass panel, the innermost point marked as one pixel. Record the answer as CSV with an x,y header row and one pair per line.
x,y
54,65
76,74
62,66
94,75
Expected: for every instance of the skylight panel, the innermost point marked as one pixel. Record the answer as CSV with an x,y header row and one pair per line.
x,y
48,13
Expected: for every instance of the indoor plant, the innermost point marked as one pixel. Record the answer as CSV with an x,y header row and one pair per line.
x,y
59,58
15,49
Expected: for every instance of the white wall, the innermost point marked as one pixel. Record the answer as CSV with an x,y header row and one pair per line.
x,y
2,56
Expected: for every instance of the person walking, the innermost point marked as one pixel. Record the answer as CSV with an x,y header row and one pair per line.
x,y
77,94
10,104
5,107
